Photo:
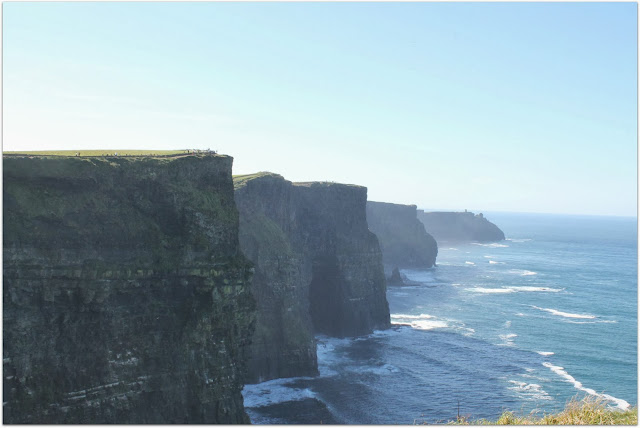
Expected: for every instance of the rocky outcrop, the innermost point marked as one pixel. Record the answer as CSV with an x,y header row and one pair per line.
x,y
125,298
460,227
403,239
317,269
395,278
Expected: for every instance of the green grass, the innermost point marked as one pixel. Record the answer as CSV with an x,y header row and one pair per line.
x,y
588,411
242,180
94,153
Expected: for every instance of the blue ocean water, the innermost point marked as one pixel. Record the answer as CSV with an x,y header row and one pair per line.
x,y
524,324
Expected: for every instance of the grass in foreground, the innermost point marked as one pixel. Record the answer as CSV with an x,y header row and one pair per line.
x,y
588,411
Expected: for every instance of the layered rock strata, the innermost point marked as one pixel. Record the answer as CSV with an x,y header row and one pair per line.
x,y
317,269
403,239
126,298
460,227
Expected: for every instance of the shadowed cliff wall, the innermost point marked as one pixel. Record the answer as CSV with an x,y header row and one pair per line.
x,y
317,269
126,299
403,239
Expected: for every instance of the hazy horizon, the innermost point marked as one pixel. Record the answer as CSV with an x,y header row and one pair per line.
x,y
496,107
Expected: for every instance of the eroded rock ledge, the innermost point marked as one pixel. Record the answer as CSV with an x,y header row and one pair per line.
x,y
318,268
126,299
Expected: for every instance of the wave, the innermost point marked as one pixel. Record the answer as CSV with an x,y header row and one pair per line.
x,y
493,262
405,316
273,392
518,239
522,272
423,325
469,263
508,339
538,289
566,314
532,391
488,257
492,245
544,353
519,289
490,290
621,404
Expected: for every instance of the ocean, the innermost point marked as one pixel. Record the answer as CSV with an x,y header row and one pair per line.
x,y
523,324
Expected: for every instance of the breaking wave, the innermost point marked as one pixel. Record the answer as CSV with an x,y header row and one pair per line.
x,y
621,404
566,314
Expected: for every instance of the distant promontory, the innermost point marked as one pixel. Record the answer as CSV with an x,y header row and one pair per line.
x,y
460,226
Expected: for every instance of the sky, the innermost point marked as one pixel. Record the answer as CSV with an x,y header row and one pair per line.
x,y
523,107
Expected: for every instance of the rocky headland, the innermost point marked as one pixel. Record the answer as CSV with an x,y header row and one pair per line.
x,y
403,239
460,227
126,298
318,269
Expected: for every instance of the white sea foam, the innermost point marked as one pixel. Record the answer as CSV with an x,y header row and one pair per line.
x,y
538,289
412,317
273,392
490,290
492,245
488,257
520,289
508,339
531,391
518,239
493,262
470,263
522,272
566,314
428,325
544,353
621,404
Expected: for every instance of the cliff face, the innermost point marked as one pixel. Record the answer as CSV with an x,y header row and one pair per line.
x,y
317,269
460,226
403,239
126,299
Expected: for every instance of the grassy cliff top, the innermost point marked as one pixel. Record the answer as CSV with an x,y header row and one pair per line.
x,y
103,152
240,181
588,411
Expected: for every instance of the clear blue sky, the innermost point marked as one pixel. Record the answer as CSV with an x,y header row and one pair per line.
x,y
488,106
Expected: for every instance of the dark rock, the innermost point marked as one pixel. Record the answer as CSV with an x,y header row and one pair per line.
x,y
403,239
395,278
317,269
460,227
126,298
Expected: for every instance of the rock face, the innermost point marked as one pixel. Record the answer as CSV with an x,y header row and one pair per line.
x,y
395,278
126,298
403,240
317,269
460,227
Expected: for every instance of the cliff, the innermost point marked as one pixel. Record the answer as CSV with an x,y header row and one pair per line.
x,y
126,298
403,239
460,227
317,269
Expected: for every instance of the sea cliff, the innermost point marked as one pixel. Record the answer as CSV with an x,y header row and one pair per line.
x,y
126,298
403,239
460,227
318,269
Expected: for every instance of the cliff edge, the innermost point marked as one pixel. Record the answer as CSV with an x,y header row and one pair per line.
x,y
403,239
126,298
318,269
460,226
